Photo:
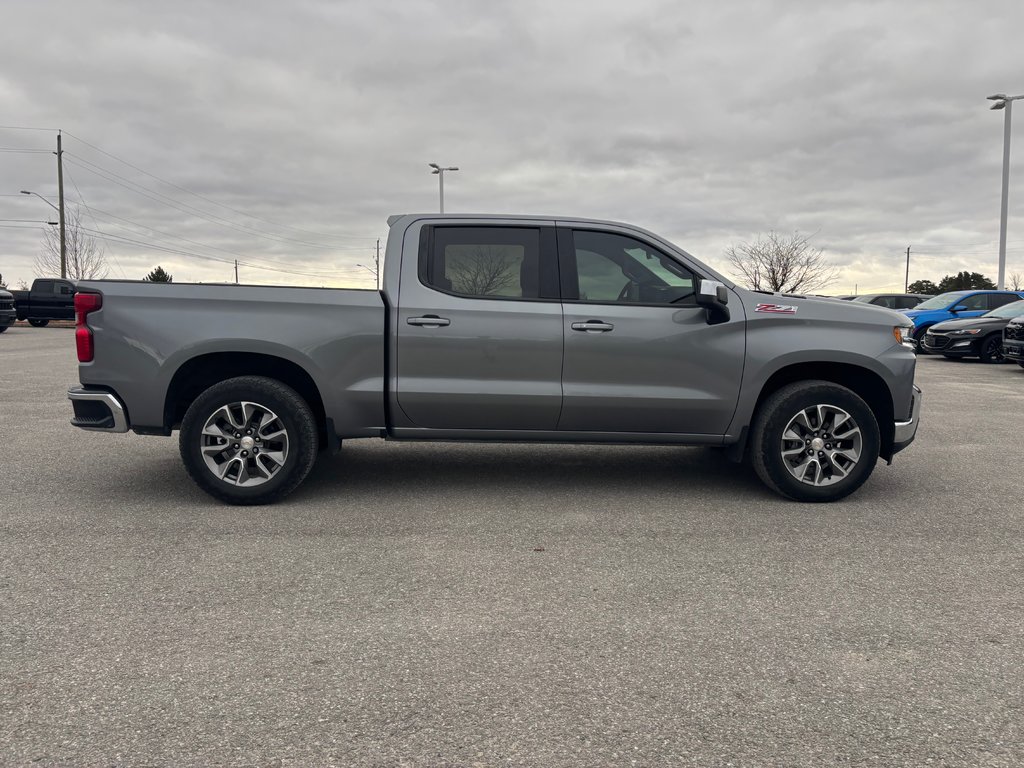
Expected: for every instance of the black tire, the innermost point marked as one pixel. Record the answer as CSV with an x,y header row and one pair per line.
x,y
4,328
919,341
992,348
772,419
1021,365
295,417
39,323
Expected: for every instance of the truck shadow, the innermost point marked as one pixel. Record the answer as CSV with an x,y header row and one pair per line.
x,y
415,468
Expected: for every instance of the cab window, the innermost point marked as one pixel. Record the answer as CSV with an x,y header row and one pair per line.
x,y
607,267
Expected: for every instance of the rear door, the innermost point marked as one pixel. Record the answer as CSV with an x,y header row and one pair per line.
x,y
639,353
479,329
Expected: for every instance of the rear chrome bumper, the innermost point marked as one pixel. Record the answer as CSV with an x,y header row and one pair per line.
x,y
906,431
97,411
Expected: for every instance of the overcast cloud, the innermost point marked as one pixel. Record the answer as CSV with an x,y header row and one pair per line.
x,y
865,123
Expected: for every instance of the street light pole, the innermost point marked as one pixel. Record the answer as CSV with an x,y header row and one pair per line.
x,y
1004,102
60,212
439,172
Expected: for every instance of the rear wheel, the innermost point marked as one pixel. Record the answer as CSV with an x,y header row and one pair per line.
x,y
4,328
992,349
249,440
814,441
39,323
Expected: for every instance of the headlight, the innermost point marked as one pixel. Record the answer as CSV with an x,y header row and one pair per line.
x,y
903,334
966,332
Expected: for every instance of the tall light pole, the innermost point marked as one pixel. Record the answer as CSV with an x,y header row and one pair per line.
x,y
439,172
63,239
1002,101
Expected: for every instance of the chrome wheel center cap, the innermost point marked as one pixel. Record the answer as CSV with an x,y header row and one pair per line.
x,y
247,443
817,443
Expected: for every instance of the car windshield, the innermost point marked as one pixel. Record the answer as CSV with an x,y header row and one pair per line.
x,y
1014,309
941,301
865,299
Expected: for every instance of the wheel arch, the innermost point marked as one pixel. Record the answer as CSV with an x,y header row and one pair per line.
x,y
199,373
867,384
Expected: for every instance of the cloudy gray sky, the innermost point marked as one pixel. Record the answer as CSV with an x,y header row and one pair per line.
x,y
300,126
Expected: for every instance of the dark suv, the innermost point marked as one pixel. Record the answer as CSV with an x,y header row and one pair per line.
x,y
892,300
1013,341
7,312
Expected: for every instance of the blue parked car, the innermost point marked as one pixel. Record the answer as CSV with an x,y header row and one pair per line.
x,y
955,305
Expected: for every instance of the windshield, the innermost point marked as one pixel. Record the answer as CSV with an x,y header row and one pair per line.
x,y
1014,309
941,301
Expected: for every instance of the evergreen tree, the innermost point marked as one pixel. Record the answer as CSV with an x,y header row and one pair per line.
x,y
965,281
159,275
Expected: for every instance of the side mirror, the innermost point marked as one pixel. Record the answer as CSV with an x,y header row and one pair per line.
x,y
959,308
713,296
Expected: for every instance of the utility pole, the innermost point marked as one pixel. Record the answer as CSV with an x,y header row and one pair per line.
x,y
60,195
376,263
906,281
236,271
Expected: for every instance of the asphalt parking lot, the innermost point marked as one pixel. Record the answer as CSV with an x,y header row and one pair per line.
x,y
441,604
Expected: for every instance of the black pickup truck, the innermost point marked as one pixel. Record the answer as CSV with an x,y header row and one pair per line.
x,y
49,299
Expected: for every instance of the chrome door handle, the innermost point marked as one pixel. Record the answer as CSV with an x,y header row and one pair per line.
x,y
593,326
430,321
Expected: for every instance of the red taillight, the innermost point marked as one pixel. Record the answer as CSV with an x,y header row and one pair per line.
x,y
84,304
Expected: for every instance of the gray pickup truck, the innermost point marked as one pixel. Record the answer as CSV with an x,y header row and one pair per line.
x,y
500,328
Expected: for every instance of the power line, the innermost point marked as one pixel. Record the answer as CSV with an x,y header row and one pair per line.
x,y
19,150
122,239
148,232
210,200
81,199
27,128
186,208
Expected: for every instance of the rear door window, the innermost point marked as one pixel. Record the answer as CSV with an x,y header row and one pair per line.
x,y
996,300
489,263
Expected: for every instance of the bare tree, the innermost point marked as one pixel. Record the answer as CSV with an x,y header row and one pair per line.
x,y
787,264
483,271
1016,281
86,259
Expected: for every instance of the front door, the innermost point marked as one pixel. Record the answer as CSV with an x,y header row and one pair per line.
x,y
480,330
640,355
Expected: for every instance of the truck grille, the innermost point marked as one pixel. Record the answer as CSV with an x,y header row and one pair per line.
x,y
935,340
6,304
1014,331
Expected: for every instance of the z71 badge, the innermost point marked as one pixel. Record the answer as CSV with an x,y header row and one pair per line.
x,y
776,309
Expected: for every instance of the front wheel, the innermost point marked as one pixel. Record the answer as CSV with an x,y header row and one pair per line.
x,y
39,323
919,342
814,441
992,349
249,440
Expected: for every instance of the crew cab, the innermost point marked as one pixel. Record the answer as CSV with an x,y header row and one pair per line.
x,y
499,328
955,305
48,299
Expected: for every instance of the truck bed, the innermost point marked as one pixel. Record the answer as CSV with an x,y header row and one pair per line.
x,y
146,332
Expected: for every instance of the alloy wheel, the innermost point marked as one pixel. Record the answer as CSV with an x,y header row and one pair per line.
x,y
244,444
821,445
